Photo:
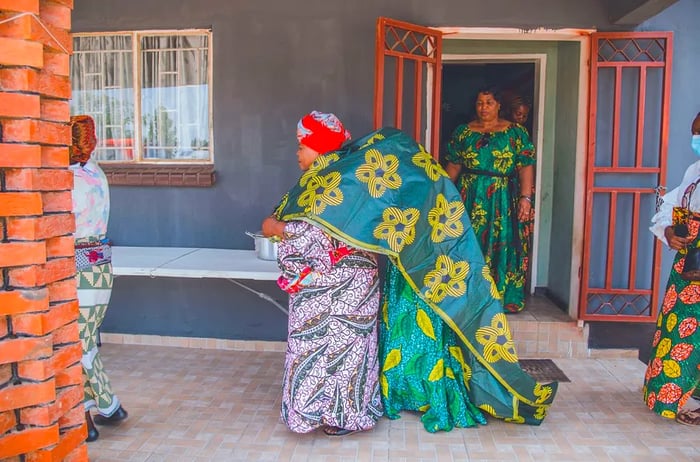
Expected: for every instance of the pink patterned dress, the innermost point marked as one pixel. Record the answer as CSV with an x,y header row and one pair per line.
x,y
331,367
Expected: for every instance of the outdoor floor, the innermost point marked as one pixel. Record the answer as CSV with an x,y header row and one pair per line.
x,y
190,404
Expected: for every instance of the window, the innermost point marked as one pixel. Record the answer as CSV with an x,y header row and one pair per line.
x,y
150,95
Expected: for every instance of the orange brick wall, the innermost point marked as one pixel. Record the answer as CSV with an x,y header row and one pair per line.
x,y
41,410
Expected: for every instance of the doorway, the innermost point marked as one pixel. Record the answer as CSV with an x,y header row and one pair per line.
x,y
552,74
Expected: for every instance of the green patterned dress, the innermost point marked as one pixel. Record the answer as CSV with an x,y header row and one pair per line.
x,y
424,367
384,193
488,184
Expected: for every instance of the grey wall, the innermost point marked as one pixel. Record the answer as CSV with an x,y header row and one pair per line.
x,y
681,18
273,61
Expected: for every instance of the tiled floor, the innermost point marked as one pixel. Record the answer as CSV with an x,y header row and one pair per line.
x,y
190,404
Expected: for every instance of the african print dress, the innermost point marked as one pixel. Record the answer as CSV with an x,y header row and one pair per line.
x,y
488,184
385,194
331,367
94,279
423,364
672,374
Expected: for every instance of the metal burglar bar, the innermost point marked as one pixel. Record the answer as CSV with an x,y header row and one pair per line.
x,y
407,51
627,146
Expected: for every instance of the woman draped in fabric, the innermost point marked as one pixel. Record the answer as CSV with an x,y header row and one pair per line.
x,y
673,373
445,344
331,368
94,271
492,162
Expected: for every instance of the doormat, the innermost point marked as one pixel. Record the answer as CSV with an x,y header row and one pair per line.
x,y
543,370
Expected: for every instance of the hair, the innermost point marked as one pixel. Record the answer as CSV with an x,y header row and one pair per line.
x,y
491,90
518,101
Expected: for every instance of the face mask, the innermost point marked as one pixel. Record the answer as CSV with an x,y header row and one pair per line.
x,y
695,144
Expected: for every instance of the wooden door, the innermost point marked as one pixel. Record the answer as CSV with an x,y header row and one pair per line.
x,y
408,77
626,160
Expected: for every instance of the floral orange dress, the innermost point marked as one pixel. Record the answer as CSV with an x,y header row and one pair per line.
x,y
672,373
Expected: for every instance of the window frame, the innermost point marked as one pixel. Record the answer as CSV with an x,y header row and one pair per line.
x,y
160,172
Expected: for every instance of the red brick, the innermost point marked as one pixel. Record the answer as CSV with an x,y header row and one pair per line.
x,y
14,52
25,277
18,79
57,63
28,440
61,314
63,290
47,226
55,15
22,253
18,27
70,441
56,110
20,155
68,398
38,275
4,329
40,416
38,179
74,417
55,156
56,86
71,376
35,369
27,394
79,454
20,6
20,349
66,334
23,301
5,374
30,130
60,41
20,204
61,246
65,357
29,324
57,201
19,105
7,421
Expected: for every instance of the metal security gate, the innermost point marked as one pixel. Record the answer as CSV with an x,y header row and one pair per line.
x,y
407,80
626,161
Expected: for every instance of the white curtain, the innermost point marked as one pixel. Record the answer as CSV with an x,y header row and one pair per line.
x,y
102,87
175,97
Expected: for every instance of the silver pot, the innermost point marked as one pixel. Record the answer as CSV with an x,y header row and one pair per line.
x,y
265,249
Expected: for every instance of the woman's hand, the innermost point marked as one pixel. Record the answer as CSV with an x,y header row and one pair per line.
x,y
271,226
676,242
524,208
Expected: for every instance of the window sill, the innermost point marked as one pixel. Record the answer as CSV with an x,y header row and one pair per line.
x,y
159,175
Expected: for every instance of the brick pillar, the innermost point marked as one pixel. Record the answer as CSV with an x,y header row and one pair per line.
x,y
41,398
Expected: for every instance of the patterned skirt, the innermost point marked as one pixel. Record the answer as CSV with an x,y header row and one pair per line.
x,y
672,374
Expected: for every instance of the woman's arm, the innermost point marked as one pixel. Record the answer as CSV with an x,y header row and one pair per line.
x,y
453,170
526,176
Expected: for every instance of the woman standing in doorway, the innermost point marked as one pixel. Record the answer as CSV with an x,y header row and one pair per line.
x,y
672,374
491,160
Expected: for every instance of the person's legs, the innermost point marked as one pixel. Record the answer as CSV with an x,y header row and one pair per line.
x,y
94,290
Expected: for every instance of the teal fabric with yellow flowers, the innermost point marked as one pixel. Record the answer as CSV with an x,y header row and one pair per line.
x,y
384,193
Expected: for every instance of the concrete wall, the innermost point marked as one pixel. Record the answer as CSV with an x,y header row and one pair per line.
x,y
273,61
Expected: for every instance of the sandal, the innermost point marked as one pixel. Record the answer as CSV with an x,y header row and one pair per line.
x,y
686,417
337,431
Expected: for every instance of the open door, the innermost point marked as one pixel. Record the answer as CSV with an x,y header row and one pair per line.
x,y
629,95
406,56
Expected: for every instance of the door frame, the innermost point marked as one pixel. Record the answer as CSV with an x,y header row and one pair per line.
x,y
583,37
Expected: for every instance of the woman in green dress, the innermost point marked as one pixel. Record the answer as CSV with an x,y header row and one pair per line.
x,y
491,160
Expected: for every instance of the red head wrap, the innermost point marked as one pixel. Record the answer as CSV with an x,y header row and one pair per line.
x,y
322,132
84,141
